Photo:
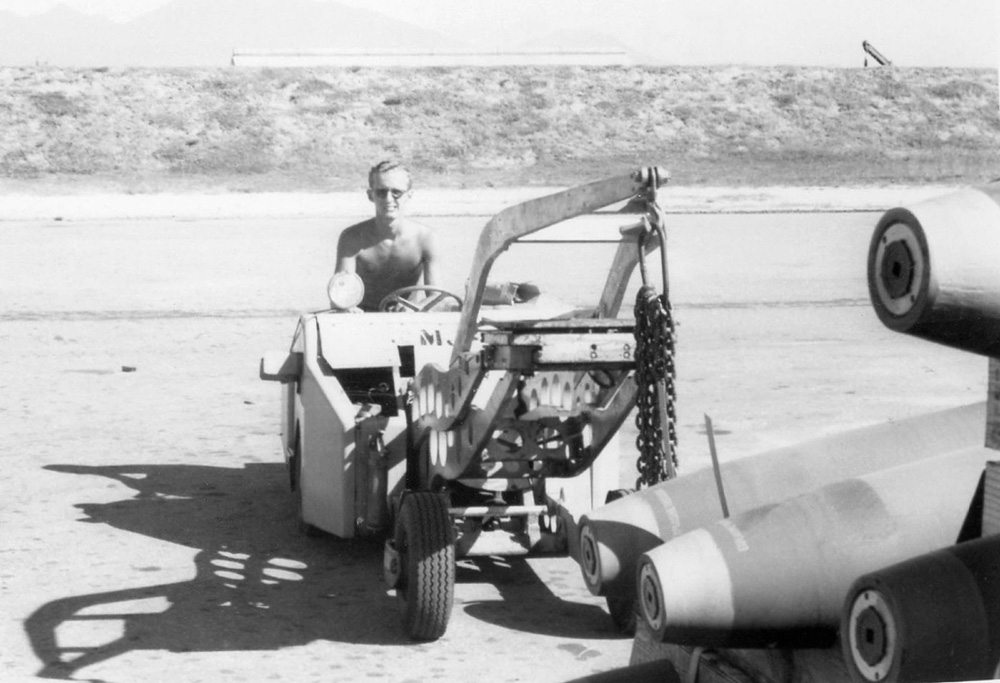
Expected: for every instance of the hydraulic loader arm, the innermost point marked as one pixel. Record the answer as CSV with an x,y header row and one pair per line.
x,y
518,221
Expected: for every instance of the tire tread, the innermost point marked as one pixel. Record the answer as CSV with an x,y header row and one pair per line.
x,y
428,595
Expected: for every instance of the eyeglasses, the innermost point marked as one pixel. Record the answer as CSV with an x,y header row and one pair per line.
x,y
383,192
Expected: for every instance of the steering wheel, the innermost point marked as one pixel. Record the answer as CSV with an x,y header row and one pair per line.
x,y
397,300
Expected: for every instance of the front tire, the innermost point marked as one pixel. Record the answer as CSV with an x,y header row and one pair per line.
x,y
425,539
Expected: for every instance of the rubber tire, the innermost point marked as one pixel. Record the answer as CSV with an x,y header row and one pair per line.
x,y
425,539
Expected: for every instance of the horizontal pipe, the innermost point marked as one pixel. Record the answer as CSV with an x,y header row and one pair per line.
x,y
497,511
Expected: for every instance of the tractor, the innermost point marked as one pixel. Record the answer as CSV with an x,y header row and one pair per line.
x,y
486,430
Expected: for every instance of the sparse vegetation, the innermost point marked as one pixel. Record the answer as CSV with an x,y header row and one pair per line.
x,y
282,129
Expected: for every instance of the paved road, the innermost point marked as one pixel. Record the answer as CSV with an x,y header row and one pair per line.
x,y
147,533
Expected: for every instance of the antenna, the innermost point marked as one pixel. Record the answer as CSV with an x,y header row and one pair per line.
x,y
715,465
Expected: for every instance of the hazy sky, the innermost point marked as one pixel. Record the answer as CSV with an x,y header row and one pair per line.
x,y
820,32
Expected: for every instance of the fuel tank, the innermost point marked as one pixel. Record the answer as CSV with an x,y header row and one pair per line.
x,y
613,537
779,574
930,618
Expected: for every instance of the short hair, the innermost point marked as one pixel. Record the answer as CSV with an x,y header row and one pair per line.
x,y
389,165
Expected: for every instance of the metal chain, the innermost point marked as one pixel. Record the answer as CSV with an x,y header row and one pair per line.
x,y
656,395
654,359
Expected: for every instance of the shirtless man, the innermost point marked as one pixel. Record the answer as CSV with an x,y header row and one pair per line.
x,y
390,250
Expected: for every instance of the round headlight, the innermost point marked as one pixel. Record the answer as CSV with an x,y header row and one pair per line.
x,y
346,290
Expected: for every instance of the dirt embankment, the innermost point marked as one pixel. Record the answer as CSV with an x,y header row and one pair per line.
x,y
140,130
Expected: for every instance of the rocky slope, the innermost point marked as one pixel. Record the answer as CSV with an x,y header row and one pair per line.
x,y
310,129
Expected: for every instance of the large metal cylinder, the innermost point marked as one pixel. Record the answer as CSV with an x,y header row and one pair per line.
x,y
779,574
613,537
933,270
931,618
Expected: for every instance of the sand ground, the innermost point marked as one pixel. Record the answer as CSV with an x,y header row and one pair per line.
x,y
147,533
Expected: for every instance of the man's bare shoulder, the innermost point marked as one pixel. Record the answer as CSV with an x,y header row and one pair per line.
x,y
356,234
360,227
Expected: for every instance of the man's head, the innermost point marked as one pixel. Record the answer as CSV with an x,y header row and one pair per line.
x,y
388,188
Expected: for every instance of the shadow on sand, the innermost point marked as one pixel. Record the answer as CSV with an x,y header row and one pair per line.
x,y
258,584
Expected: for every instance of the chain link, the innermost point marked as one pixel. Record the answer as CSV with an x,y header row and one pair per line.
x,y
654,359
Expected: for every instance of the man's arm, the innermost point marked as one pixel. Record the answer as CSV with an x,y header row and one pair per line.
x,y
347,257
347,253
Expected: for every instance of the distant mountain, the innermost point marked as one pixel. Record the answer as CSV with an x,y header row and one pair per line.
x,y
60,36
583,40
204,33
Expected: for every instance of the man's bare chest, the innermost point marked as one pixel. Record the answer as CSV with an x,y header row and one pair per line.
x,y
388,253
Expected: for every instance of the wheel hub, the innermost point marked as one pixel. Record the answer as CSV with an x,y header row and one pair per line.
x,y
392,565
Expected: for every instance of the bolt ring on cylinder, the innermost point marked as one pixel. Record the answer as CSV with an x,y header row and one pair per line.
x,y
872,635
590,558
651,597
900,269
